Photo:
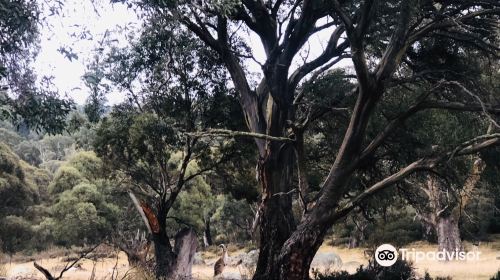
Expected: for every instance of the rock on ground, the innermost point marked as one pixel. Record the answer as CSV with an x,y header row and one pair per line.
x,y
250,259
198,259
228,275
330,261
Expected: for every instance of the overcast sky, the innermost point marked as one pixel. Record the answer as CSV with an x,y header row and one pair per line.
x,y
78,16
82,15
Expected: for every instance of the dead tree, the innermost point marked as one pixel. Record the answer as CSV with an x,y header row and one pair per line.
x,y
440,207
179,258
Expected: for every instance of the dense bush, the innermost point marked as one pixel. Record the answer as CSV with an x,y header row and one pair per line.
x,y
65,179
400,270
82,215
16,233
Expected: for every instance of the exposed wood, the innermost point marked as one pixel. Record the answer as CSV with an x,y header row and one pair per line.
x,y
186,243
44,271
140,211
231,133
150,215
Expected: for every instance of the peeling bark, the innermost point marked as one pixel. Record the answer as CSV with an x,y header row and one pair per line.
x,y
448,234
276,221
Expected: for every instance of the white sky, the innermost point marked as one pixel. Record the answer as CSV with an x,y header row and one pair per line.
x,y
82,15
79,16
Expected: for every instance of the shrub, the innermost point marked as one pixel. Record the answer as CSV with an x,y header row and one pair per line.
x,y
16,233
496,276
400,270
428,277
65,179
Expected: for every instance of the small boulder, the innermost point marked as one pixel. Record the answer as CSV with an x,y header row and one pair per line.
x,y
250,259
198,259
228,275
328,261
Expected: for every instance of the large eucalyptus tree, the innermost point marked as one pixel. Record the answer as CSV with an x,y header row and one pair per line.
x,y
386,43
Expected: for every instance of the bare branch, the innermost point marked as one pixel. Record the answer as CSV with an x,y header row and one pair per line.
x,y
459,106
475,96
421,164
332,50
343,16
232,133
68,265
398,43
448,22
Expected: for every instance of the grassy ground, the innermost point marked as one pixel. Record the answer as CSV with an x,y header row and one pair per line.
x,y
482,269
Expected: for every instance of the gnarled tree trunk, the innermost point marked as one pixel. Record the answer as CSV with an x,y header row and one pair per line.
x,y
174,264
277,221
448,234
171,263
442,215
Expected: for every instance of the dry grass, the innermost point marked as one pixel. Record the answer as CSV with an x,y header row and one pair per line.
x,y
483,269
3,270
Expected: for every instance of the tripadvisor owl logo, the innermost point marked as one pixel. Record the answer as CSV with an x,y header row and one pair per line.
x,y
386,255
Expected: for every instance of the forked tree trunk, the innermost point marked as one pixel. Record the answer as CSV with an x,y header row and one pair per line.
x,y
175,264
299,251
186,243
448,234
440,215
164,256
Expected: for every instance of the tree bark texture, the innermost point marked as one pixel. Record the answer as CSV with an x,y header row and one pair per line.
x,y
277,221
448,234
175,263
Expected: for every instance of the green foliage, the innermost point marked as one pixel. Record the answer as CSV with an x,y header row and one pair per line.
x,y
9,162
9,137
38,179
76,121
397,228
57,147
16,233
83,212
16,193
88,164
52,165
29,152
195,204
65,179
235,215
18,22
95,80
22,186
23,101
82,215
84,137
